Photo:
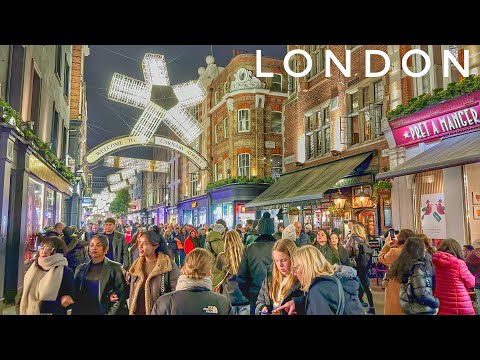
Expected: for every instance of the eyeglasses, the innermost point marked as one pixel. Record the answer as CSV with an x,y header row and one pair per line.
x,y
46,248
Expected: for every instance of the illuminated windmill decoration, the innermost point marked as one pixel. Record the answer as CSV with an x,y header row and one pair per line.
x,y
159,101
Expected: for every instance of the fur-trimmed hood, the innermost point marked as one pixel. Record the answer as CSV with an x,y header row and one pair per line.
x,y
163,265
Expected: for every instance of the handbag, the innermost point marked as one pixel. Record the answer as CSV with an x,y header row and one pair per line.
x,y
218,289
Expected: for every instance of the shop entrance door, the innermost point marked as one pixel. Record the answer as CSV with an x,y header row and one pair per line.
x,y
367,217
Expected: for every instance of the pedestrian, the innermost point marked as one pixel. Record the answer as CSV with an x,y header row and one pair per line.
x,y
322,243
153,274
414,272
228,262
192,241
194,295
100,285
340,255
215,245
278,234
256,261
117,247
48,284
473,264
280,285
453,280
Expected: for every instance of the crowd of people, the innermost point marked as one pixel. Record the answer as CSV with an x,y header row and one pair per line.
x,y
112,269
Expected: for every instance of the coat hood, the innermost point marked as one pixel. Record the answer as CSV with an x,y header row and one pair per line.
x,y
348,277
444,259
213,236
163,265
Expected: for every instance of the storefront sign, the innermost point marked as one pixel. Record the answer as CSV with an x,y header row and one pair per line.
x,y
270,144
355,180
416,128
41,170
433,215
191,154
194,205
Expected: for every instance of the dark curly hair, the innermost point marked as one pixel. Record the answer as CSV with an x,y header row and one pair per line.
x,y
413,251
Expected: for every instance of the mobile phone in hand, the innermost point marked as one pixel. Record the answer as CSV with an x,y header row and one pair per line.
x,y
392,233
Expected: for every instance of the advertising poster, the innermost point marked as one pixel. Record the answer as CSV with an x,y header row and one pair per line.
x,y
433,216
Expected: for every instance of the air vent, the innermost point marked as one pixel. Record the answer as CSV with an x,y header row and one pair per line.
x,y
353,82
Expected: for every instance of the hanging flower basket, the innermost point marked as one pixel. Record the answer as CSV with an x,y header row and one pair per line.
x,y
336,212
382,189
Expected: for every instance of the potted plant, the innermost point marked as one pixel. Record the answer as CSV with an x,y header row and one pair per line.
x,y
336,212
381,189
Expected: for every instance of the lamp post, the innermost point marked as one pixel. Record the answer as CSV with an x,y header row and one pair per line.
x,y
363,195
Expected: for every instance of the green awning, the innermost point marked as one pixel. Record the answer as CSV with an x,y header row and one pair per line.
x,y
454,151
307,184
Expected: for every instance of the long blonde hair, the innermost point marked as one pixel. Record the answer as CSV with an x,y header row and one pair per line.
x,y
313,264
287,247
233,251
359,230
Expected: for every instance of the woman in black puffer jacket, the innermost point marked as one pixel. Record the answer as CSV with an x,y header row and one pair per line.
x,y
414,271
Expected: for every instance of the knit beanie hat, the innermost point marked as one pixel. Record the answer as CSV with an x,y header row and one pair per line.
x,y
289,233
266,224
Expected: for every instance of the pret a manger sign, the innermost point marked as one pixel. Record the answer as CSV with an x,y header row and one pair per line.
x,y
452,117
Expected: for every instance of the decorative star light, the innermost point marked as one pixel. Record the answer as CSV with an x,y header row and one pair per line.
x,y
406,135
159,101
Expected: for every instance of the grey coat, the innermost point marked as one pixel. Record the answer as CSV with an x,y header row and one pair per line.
x,y
263,298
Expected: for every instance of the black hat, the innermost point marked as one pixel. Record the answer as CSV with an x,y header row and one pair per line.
x,y
266,224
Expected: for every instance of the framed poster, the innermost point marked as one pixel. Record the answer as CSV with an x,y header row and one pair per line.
x,y
476,213
476,198
387,216
433,216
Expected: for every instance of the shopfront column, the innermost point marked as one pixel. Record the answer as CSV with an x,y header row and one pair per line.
x,y
17,234
6,160
454,204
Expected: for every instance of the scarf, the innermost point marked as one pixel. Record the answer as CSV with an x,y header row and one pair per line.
x,y
42,285
185,283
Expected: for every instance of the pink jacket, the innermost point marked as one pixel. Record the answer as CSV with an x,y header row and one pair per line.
x,y
451,284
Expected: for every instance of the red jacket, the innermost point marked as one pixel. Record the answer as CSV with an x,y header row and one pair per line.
x,y
451,284
189,244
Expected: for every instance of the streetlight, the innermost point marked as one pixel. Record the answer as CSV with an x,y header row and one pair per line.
x,y
362,195
339,199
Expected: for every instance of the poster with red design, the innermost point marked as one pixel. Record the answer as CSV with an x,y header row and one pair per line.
x,y
433,216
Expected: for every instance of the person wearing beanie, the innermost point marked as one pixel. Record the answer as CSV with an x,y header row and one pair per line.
x,y
289,233
221,221
214,245
256,261
278,234
252,234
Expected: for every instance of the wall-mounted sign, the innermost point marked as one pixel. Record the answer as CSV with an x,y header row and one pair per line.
x,y
194,205
270,144
289,159
243,209
455,116
45,173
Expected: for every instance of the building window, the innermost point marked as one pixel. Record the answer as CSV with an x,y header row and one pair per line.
x,y
317,53
322,134
276,162
217,97
58,60
309,123
225,128
55,124
378,91
226,169
277,83
276,122
66,80
334,103
244,120
244,165
353,102
216,133
64,144
35,100
292,81
194,185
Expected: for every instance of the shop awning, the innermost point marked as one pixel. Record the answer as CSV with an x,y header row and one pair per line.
x,y
454,151
307,184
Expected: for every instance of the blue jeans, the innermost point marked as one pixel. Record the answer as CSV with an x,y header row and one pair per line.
x,y
181,253
241,310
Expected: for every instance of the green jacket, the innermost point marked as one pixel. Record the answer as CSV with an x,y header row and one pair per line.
x,y
215,245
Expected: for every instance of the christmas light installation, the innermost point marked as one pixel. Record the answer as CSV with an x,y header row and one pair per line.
x,y
118,186
120,176
120,162
159,101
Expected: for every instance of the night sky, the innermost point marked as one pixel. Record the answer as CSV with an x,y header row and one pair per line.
x,y
108,119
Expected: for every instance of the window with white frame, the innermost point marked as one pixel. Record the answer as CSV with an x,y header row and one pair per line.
x,y
244,120
363,121
276,167
317,53
276,122
292,81
277,83
244,165
322,134
194,189
216,133
226,169
225,128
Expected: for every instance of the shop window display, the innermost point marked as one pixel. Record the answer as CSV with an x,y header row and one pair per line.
x,y
34,217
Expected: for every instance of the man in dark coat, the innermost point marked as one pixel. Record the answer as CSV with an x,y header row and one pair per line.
x,y
256,260
117,250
